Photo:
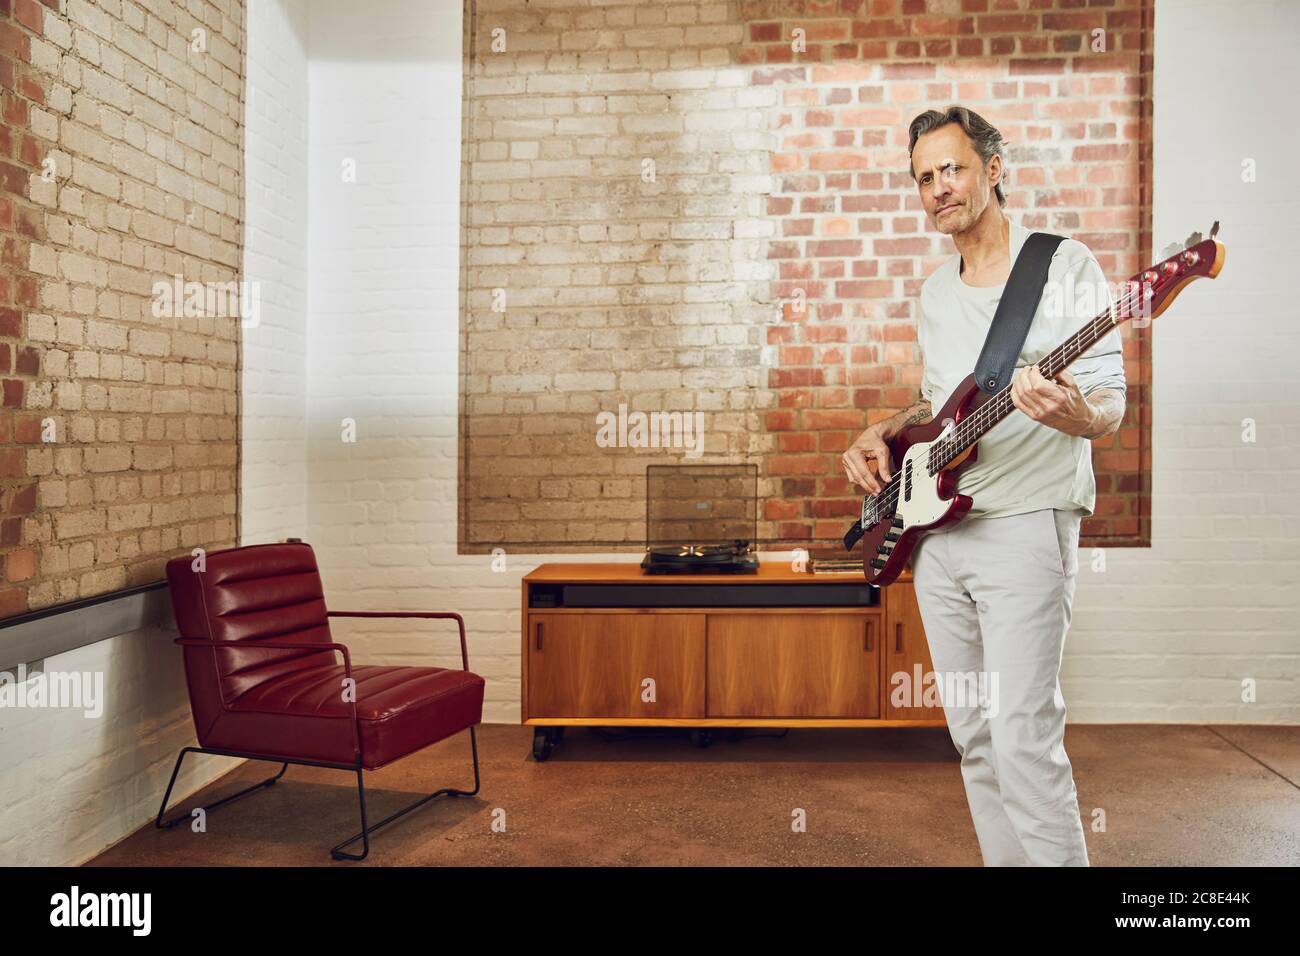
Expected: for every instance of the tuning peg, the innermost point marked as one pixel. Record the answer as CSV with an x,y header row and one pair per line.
x,y
1170,250
1214,230
1192,240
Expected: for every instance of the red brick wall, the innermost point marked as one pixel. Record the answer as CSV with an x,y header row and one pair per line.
x,y
853,237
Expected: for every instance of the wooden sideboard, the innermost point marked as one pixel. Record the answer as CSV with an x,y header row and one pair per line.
x,y
657,659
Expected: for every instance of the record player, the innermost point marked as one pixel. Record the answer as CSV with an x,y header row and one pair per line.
x,y
701,519
735,558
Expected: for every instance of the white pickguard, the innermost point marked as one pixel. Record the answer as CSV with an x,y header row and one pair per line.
x,y
917,491
921,503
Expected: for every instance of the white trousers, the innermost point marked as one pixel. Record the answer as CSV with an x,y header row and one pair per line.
x,y
995,596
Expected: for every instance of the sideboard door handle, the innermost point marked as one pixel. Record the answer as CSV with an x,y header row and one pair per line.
x,y
539,635
870,626
898,638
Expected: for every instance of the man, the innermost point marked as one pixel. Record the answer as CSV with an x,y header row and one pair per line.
x,y
995,589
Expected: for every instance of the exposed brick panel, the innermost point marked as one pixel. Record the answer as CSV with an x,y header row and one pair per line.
x,y
120,166
774,261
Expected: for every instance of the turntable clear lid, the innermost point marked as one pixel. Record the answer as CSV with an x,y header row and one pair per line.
x,y
701,505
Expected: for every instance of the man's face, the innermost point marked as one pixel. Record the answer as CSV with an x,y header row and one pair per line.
x,y
953,183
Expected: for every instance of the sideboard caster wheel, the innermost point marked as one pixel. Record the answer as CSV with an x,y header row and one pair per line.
x,y
542,744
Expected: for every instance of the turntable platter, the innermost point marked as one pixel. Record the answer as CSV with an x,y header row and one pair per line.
x,y
734,558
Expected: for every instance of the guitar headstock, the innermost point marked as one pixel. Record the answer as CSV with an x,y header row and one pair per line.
x,y
1151,290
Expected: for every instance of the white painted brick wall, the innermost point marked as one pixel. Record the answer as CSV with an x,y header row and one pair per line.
x,y
75,785
1167,634
385,95
273,446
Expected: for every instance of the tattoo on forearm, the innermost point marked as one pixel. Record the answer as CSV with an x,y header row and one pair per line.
x,y
920,413
1110,410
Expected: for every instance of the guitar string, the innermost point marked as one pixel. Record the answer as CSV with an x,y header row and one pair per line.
x,y
890,495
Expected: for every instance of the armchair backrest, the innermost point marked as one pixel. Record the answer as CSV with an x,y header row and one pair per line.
x,y
259,592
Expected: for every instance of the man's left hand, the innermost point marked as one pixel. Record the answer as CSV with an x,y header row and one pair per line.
x,y
1056,403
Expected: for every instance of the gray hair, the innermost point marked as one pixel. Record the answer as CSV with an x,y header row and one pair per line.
x,y
983,135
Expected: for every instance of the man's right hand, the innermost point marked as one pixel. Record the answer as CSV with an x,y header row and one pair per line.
x,y
869,446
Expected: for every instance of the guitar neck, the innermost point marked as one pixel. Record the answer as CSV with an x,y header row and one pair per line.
x,y
973,427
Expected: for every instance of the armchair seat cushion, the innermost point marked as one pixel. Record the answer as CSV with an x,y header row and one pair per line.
x,y
304,713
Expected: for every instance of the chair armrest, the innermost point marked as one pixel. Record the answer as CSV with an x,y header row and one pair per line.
x,y
450,615
288,645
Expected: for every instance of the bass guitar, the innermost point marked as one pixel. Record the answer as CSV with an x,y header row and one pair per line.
x,y
922,493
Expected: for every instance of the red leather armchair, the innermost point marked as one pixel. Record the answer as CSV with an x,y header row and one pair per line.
x,y
267,681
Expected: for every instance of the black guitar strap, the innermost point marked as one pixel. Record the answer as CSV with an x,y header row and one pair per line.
x,y
1015,312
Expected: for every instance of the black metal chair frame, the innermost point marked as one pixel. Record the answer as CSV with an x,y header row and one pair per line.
x,y
337,852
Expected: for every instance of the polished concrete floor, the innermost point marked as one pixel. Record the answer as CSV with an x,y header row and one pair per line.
x,y
1171,795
